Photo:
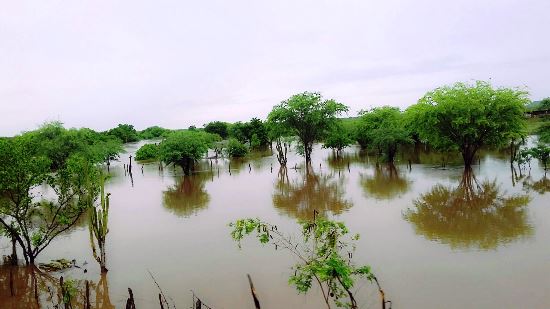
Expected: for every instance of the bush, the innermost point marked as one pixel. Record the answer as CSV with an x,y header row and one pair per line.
x,y
236,149
147,152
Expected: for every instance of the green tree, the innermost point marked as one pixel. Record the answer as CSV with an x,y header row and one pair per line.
x,y
337,139
325,256
125,133
240,131
236,149
258,135
154,132
217,127
542,153
544,104
57,144
26,211
466,117
308,116
147,152
183,148
383,129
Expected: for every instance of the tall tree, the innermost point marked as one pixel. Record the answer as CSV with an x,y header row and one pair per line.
x,y
466,117
308,116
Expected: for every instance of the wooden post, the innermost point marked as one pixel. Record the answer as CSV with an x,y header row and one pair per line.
x,y
253,291
87,295
130,304
160,301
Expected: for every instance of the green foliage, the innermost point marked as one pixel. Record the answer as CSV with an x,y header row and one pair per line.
x,y
24,178
217,127
544,132
183,148
542,153
98,225
383,128
466,117
325,256
125,133
337,138
544,104
147,152
254,132
307,116
236,149
57,144
154,132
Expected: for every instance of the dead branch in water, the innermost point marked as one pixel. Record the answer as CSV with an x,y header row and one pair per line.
x,y
253,291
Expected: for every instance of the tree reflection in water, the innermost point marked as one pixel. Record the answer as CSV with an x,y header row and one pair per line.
x,y
30,283
188,196
471,215
541,186
386,183
312,191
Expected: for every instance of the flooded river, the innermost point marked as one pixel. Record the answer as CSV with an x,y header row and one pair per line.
x,y
436,237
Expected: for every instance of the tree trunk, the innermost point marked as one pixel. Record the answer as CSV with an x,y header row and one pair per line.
x,y
13,250
468,154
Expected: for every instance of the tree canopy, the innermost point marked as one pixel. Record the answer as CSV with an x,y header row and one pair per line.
x,y
337,139
183,148
125,133
153,132
217,127
147,152
466,117
383,129
307,116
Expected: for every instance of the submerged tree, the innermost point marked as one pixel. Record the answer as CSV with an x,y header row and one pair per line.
x,y
98,225
470,215
383,129
183,148
308,117
337,139
542,153
325,257
25,212
466,117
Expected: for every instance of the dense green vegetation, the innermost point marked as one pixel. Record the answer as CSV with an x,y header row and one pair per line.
x,y
32,217
183,148
236,149
383,129
147,152
154,132
217,127
125,133
337,139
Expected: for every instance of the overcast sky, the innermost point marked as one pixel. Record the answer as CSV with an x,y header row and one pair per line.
x,y
180,63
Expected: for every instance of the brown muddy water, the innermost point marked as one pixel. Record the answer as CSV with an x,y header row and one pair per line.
x,y
434,237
